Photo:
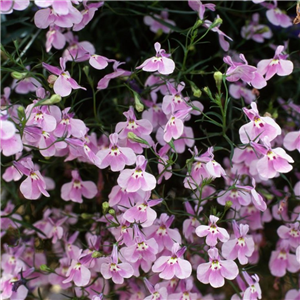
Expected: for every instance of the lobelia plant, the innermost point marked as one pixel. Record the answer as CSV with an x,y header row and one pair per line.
x,y
173,176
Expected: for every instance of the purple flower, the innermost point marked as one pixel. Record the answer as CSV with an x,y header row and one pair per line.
x,y
173,265
216,270
277,65
64,84
199,7
160,62
155,26
212,232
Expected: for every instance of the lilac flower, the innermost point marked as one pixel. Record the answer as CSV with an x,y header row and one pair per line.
x,y
212,232
141,253
134,179
293,294
199,7
7,6
26,85
99,62
224,44
34,185
292,141
160,62
216,270
238,90
77,188
77,273
142,213
173,265
290,233
54,38
277,65
10,140
253,291
155,26
241,70
241,246
278,17
115,156
189,225
273,160
256,31
87,14
114,270
118,72
157,292
258,127
281,260
57,231
236,196
64,84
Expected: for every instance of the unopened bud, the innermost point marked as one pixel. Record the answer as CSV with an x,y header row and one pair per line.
x,y
228,204
51,79
45,268
55,98
217,22
21,113
86,70
112,212
133,137
207,91
86,216
137,102
96,254
18,75
196,91
105,207
218,76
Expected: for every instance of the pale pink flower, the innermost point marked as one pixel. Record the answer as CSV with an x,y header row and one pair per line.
x,y
64,84
199,7
292,141
55,38
118,72
77,188
60,272
278,17
293,294
34,185
216,270
26,85
274,161
77,273
189,225
238,91
290,233
155,25
253,291
115,156
57,231
157,292
277,65
7,6
212,232
173,265
241,246
258,127
134,179
115,270
243,71
160,62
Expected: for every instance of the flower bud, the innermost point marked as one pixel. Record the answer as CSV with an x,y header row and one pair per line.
x,y
96,254
21,113
217,22
218,76
207,91
136,139
137,102
55,98
105,207
51,79
86,216
196,91
18,75
112,212
45,268
228,204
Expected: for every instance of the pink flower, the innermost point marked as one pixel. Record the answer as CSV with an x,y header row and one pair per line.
x,y
278,17
216,270
238,91
189,225
26,85
293,294
115,156
54,38
274,161
114,270
277,65
57,231
134,179
103,82
160,62
155,26
173,265
292,141
212,232
64,84
258,127
34,185
7,6
290,233
199,7
77,188
253,291
77,273
241,247
241,70
256,31
157,292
